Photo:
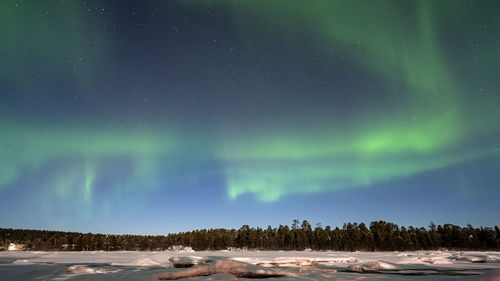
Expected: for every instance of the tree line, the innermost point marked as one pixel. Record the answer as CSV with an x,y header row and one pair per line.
x,y
378,236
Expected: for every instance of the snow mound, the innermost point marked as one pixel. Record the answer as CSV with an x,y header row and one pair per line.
x,y
183,262
372,266
291,262
276,262
22,262
475,258
434,260
339,260
144,262
90,269
180,248
491,258
235,268
295,261
83,269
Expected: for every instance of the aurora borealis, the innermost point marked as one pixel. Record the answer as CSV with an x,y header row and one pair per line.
x,y
163,116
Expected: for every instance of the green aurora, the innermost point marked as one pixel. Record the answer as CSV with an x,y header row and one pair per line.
x,y
422,136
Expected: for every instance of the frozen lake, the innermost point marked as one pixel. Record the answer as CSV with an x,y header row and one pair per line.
x,y
420,265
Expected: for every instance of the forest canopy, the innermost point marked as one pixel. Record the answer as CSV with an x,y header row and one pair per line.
x,y
377,236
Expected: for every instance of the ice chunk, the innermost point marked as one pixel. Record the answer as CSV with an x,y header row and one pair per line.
x,y
472,258
21,262
372,266
183,262
83,269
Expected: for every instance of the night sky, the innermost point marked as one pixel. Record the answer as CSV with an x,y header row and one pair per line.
x,y
153,117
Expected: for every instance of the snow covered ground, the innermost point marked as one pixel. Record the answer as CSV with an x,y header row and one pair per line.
x,y
420,265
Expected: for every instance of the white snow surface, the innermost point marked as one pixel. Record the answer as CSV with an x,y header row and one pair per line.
x,y
309,265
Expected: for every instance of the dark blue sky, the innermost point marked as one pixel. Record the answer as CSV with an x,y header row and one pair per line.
x,y
153,117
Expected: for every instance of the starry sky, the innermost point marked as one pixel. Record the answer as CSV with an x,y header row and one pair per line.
x,y
151,117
